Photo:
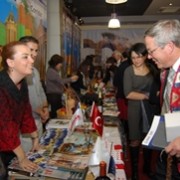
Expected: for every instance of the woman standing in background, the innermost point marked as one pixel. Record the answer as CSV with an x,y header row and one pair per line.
x,y
138,80
55,84
80,86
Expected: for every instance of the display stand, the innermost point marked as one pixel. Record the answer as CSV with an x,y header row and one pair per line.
x,y
112,145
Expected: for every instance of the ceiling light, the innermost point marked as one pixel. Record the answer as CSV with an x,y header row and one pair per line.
x,y
114,21
115,1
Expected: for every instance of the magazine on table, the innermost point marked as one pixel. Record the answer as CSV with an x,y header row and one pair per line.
x,y
61,155
57,123
46,169
81,142
52,139
34,157
79,162
65,174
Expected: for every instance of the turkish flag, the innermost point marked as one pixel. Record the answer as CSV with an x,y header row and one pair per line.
x,y
97,120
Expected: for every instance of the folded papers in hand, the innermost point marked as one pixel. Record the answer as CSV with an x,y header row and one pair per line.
x,y
172,124
163,130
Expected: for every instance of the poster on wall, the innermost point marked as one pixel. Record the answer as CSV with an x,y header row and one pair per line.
x,y
71,37
102,43
67,42
25,17
76,47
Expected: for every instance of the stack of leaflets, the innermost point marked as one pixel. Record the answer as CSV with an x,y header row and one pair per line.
x,y
46,170
52,139
61,155
34,157
57,123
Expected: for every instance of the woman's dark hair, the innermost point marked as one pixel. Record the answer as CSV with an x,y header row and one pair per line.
x,y
111,60
8,52
27,39
55,59
89,59
139,48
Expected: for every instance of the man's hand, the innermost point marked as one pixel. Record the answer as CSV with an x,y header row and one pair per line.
x,y
44,114
174,147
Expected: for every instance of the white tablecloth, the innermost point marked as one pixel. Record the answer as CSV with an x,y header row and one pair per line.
x,y
112,135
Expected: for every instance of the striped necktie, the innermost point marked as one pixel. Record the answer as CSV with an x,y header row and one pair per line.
x,y
167,92
163,76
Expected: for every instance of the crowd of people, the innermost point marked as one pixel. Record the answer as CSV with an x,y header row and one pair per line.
x,y
135,75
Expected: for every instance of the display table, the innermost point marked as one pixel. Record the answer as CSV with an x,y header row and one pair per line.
x,y
112,141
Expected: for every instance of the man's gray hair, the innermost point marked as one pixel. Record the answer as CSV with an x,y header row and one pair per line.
x,y
165,31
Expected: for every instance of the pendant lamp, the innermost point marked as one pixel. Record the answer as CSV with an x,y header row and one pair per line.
x,y
115,1
114,21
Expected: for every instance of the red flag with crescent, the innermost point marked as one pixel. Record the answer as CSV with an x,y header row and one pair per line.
x,y
97,120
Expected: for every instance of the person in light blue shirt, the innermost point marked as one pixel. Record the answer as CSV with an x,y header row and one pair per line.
x,y
37,95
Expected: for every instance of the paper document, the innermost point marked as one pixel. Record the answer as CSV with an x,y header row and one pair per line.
x,y
152,131
156,137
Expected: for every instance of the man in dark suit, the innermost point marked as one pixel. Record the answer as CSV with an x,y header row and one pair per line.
x,y
163,44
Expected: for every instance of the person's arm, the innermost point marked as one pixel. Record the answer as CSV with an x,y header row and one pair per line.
x,y
137,96
44,113
42,109
35,141
29,126
74,78
10,120
24,162
128,87
53,76
173,148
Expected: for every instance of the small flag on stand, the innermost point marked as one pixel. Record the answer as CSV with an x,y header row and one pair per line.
x,y
112,166
96,118
91,113
76,120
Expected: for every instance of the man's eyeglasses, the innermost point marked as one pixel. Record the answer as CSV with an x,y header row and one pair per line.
x,y
152,51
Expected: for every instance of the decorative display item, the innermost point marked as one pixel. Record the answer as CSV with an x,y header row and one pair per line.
x,y
71,100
